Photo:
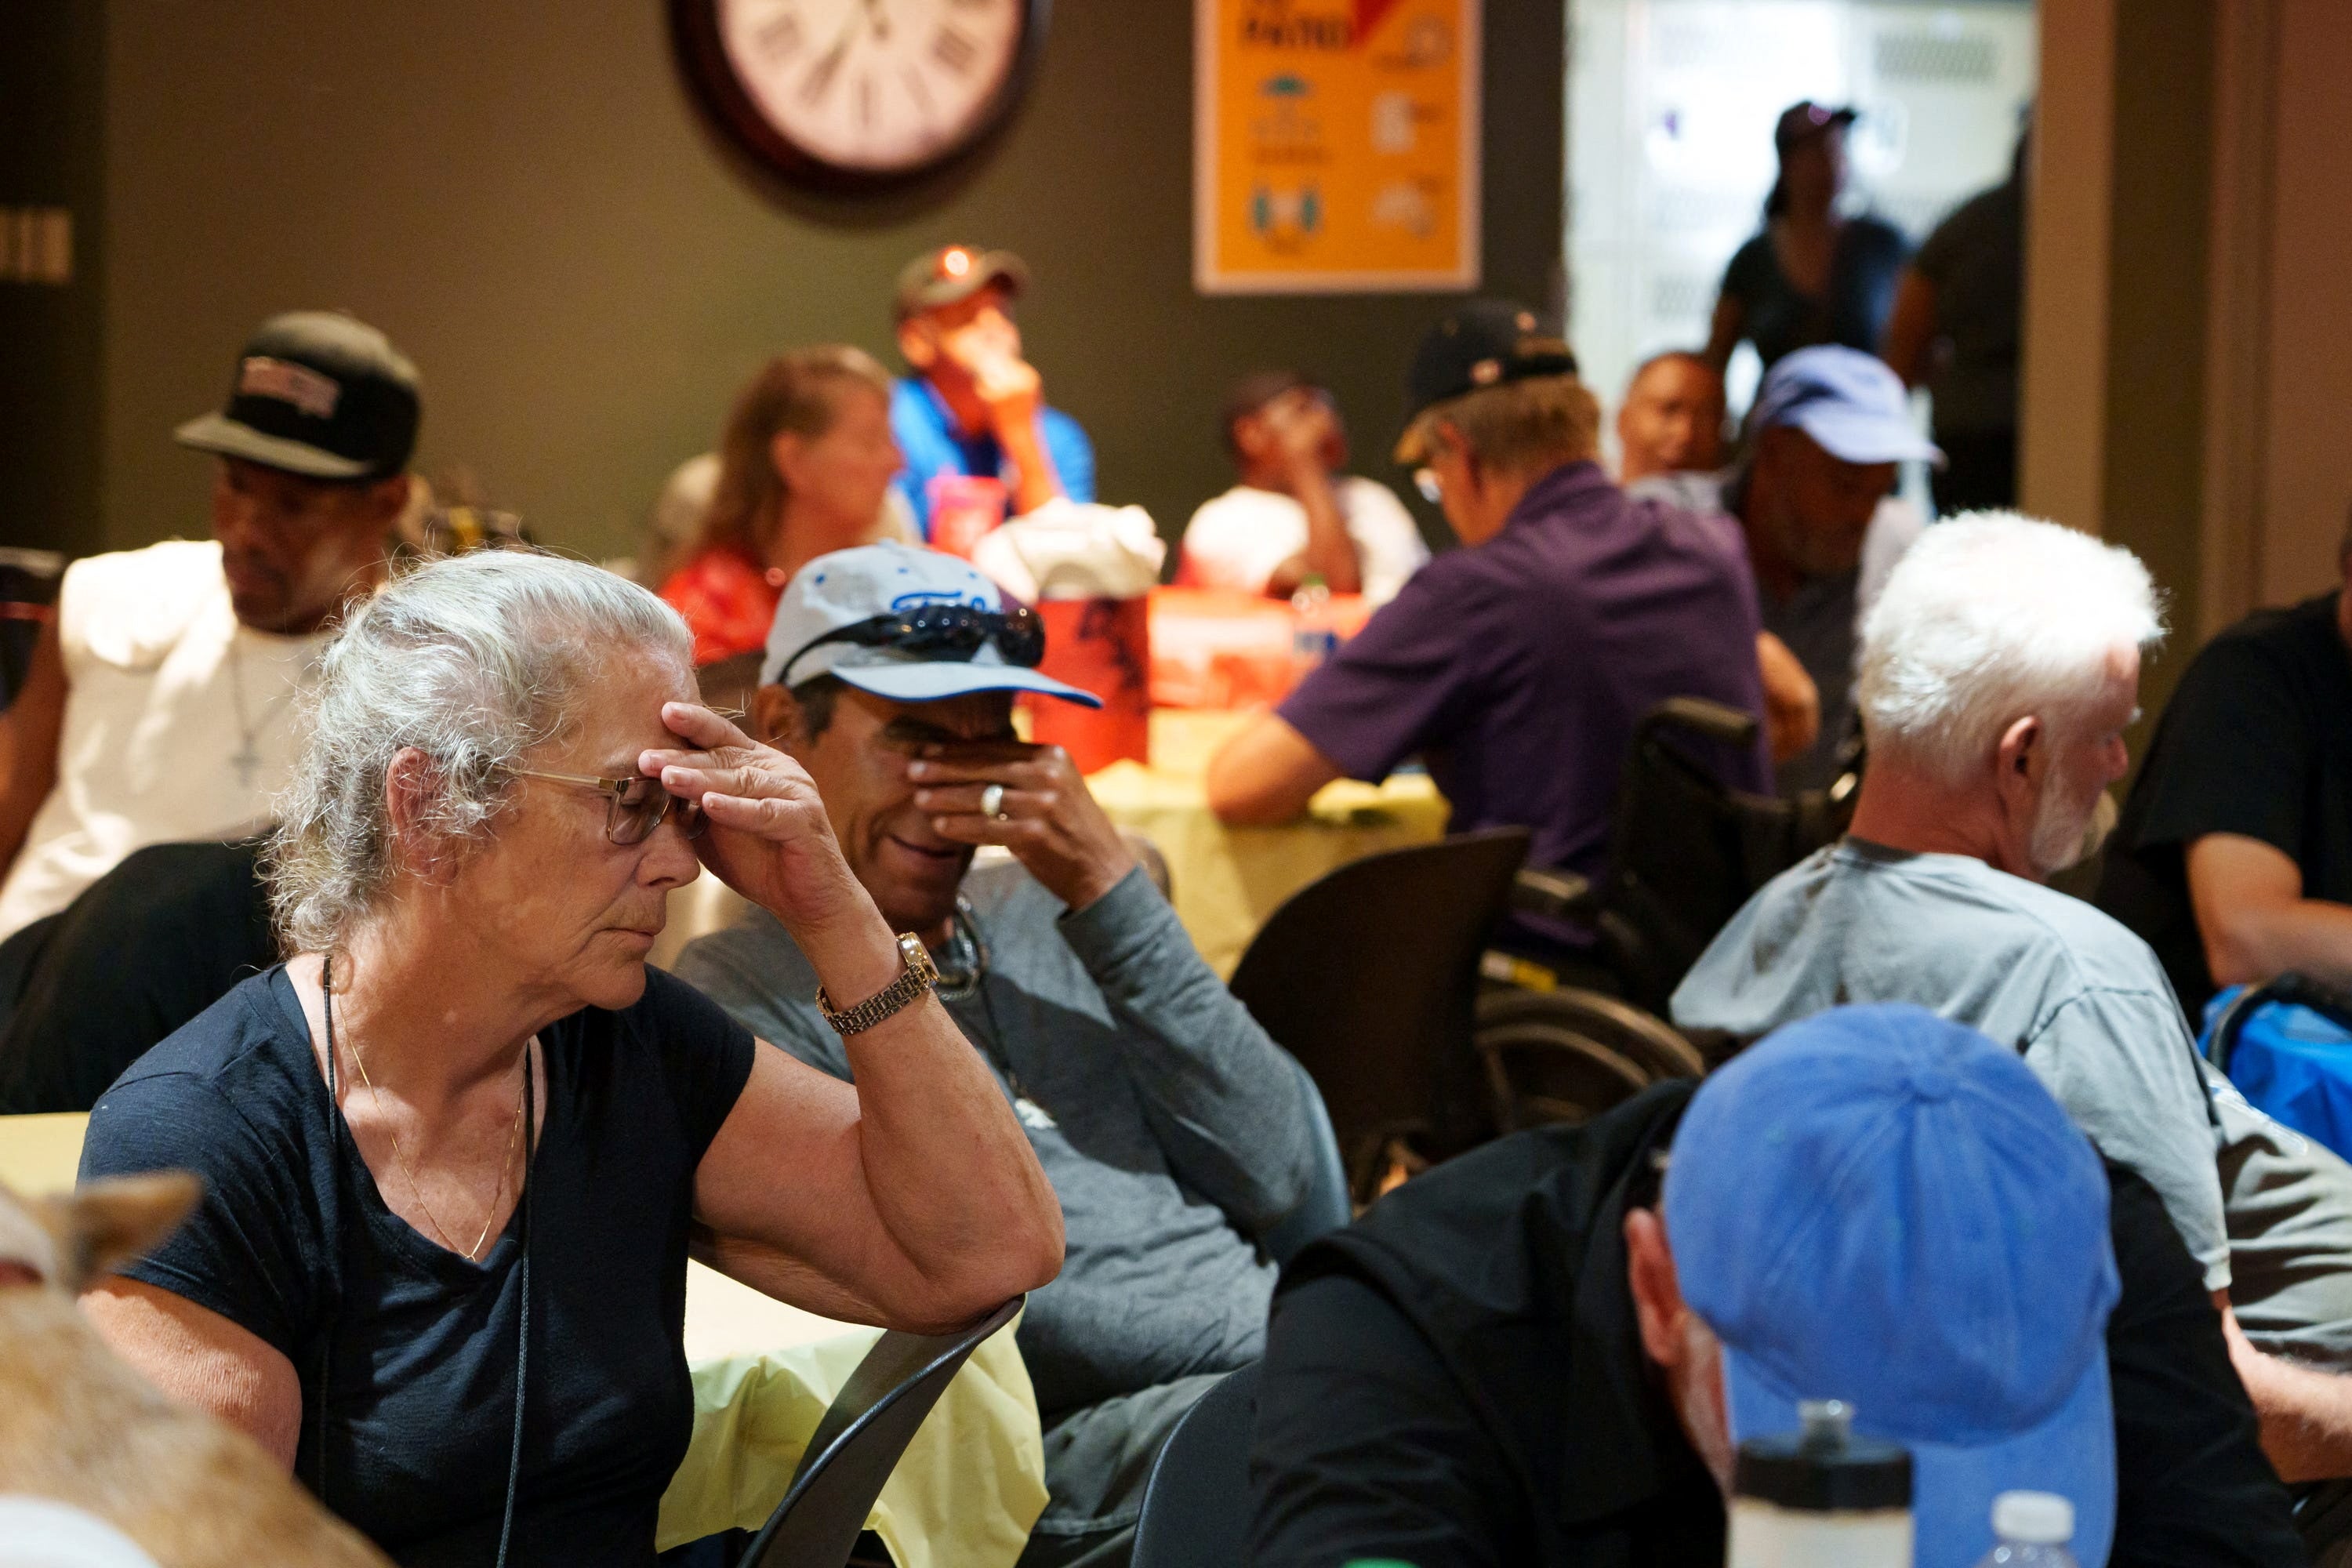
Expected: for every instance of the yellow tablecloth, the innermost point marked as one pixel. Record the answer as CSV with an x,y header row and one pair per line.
x,y
1226,880
964,1496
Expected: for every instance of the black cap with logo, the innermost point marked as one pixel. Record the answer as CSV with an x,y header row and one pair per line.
x,y
1804,119
1485,343
317,394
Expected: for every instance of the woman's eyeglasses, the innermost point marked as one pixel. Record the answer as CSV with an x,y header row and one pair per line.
x,y
638,805
942,631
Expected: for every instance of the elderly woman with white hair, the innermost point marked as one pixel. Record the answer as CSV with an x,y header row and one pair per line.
x,y
457,1144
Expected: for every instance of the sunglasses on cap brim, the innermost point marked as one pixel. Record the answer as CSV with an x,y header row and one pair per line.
x,y
946,633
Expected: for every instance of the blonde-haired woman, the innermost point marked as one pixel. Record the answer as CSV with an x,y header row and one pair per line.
x,y
804,468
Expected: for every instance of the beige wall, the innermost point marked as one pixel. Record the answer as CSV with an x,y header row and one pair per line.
x,y
2189,357
520,194
2061,448
2308,446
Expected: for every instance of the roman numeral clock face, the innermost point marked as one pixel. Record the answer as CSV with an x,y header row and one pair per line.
x,y
846,93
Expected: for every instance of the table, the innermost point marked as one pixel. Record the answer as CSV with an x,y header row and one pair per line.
x,y
969,1488
1226,880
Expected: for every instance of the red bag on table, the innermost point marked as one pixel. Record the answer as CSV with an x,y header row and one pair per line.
x,y
1102,646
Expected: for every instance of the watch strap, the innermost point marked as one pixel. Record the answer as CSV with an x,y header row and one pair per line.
x,y
918,977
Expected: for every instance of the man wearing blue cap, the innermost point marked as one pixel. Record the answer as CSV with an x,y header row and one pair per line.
x,y
1174,1130
1532,1355
1815,499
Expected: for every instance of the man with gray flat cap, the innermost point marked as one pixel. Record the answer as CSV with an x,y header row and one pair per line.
x,y
973,407
159,702
1815,497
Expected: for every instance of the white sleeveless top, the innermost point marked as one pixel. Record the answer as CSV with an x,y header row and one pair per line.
x,y
179,721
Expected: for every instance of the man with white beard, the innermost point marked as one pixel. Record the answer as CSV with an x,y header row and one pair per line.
x,y
1998,671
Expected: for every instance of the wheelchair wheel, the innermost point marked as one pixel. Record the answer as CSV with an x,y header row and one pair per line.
x,y
1567,1054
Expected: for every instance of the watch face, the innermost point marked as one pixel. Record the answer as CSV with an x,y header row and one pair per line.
x,y
860,88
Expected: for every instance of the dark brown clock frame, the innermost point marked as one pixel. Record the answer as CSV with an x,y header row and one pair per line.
x,y
711,82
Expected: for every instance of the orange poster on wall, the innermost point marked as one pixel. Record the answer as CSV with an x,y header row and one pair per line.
x,y
1335,146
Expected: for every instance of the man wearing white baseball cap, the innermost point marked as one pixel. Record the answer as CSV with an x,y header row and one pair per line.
x,y
1815,496
1174,1130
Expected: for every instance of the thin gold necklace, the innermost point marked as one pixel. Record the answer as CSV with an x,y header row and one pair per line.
x,y
472,1254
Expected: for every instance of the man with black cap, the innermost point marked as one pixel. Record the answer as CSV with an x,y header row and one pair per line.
x,y
974,406
1517,665
160,705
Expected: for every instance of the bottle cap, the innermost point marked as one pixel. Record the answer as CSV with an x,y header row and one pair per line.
x,y
1825,1467
2033,1518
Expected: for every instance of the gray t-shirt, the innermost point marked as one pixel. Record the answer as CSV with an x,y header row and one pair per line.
x,y
1170,1125
2079,996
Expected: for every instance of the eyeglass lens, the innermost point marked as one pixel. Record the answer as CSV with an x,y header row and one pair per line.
x,y
640,806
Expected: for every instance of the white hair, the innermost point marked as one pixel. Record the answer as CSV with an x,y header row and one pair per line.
x,y
1991,616
474,660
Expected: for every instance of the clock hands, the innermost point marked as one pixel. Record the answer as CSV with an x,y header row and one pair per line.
x,y
828,65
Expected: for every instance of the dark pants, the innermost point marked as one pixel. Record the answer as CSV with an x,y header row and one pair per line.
x,y
18,955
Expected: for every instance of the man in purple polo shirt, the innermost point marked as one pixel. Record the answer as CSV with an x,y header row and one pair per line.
x,y
1517,665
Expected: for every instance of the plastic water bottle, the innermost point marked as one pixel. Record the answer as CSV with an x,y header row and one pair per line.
x,y
2031,1529
1314,635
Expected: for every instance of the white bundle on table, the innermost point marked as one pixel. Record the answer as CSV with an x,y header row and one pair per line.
x,y
1074,550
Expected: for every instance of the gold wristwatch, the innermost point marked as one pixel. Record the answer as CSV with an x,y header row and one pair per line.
x,y
920,976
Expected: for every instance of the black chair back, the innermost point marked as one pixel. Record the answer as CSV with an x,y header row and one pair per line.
x,y
1196,1505
1685,851
29,599
1369,977
858,1445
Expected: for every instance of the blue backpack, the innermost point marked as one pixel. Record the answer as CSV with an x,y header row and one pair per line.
x,y
2287,1046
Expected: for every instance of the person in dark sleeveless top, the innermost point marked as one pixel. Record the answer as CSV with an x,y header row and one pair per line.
x,y
1811,275
457,1147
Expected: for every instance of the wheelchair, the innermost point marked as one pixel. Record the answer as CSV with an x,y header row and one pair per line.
x,y
1566,1041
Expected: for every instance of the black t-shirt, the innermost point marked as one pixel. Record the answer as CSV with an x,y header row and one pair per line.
x,y
1867,259
2257,741
144,949
1457,1381
409,1348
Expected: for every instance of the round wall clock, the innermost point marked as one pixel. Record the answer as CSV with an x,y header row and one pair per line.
x,y
844,94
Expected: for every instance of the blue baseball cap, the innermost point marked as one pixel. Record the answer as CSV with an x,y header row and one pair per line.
x,y
849,587
1880,1206
1852,405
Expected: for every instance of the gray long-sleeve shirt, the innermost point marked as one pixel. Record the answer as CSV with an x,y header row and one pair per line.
x,y
1170,1125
